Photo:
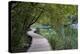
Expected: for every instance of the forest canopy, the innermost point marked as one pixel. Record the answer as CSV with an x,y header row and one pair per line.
x,y
29,14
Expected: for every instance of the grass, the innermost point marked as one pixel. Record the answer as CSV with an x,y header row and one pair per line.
x,y
57,42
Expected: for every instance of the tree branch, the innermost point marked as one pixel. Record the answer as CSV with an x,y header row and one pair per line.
x,y
35,19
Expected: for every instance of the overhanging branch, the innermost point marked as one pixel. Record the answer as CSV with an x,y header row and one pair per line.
x,y
35,19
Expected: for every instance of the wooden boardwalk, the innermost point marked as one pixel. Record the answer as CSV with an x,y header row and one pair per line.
x,y
39,43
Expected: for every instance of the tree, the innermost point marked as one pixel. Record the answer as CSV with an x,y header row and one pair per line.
x,y
23,15
57,16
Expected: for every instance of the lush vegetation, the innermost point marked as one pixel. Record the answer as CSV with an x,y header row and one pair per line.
x,y
57,18
55,25
23,15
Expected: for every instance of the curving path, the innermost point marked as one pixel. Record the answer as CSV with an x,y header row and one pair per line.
x,y
39,43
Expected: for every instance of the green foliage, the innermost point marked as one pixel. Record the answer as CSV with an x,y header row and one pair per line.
x,y
56,16
24,14
18,25
57,42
